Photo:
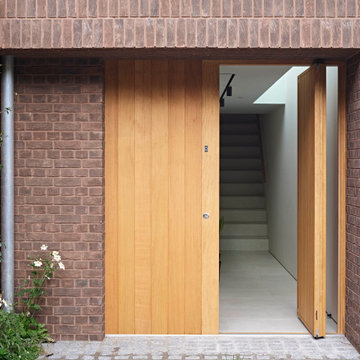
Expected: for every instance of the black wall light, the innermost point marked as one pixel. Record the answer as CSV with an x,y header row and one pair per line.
x,y
227,91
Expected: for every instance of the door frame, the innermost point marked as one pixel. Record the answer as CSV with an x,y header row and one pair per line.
x,y
341,165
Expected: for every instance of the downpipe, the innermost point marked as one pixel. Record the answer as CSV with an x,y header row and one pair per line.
x,y
7,180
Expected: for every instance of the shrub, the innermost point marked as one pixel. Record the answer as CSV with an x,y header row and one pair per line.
x,y
21,336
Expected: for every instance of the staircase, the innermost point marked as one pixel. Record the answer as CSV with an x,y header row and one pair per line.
x,y
242,198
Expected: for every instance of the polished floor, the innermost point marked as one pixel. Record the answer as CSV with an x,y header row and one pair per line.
x,y
257,295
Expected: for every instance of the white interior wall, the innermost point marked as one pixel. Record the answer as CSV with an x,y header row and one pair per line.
x,y
279,133
280,153
331,190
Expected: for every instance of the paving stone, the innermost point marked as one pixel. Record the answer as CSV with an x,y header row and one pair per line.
x,y
222,347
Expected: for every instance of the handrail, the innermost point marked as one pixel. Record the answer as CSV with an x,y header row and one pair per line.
x,y
261,148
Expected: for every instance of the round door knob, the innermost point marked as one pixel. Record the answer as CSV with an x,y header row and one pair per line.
x,y
206,215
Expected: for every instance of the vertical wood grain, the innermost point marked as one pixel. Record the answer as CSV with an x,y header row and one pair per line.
x,y
312,199
143,197
160,196
126,195
193,197
341,198
176,197
111,204
210,198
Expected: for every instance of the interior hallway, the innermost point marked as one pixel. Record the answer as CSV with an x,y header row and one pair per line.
x,y
257,295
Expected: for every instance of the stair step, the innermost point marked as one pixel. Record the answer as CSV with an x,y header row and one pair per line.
x,y
236,118
242,188
240,175
235,229
240,164
239,128
240,152
243,215
244,243
239,140
242,202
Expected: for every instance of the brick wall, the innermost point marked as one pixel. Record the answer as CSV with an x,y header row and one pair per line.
x,y
59,193
55,24
352,323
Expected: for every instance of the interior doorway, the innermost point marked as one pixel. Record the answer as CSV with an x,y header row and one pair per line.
x,y
259,199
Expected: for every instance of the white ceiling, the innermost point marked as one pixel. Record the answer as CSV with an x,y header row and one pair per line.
x,y
248,84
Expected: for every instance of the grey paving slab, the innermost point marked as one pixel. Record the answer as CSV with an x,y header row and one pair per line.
x,y
205,347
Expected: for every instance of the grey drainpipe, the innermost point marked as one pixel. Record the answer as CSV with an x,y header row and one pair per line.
x,y
7,179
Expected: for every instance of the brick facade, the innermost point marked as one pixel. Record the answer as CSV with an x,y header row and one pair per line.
x,y
111,24
352,322
59,187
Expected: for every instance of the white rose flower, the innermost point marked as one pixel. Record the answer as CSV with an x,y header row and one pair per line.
x,y
61,266
44,247
37,263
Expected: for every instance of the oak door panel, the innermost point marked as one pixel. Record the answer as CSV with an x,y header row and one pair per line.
x,y
312,199
154,165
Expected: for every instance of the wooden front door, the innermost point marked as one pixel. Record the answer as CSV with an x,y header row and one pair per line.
x,y
161,255
311,281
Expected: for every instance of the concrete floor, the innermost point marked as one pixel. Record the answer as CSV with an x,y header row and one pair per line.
x,y
257,295
204,347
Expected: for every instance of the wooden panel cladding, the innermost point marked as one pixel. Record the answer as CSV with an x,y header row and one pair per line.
x,y
312,199
161,256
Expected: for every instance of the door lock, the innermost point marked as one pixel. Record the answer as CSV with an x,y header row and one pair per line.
x,y
206,215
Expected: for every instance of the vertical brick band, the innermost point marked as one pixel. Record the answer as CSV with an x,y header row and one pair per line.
x,y
59,192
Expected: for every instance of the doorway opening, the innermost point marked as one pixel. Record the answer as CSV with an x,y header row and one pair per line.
x,y
259,199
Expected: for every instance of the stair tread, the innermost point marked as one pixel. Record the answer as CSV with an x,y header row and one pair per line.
x,y
246,222
243,236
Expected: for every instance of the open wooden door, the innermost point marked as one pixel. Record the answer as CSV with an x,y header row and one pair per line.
x,y
161,254
311,282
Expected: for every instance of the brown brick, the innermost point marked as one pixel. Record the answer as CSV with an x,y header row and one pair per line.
x,y
77,33
340,8
180,33
170,32
232,33
21,8
325,33
264,33
268,8
289,8
222,33
243,33
108,33
205,7
25,34
114,8
295,33
63,6
274,29
285,33
247,8
134,8
51,8
351,8
36,31
254,33
309,8
119,32
299,8
226,8
164,8
31,8
195,32
211,33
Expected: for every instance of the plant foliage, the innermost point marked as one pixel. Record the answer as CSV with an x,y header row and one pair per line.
x,y
21,336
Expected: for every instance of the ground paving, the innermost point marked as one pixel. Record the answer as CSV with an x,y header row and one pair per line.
x,y
222,347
